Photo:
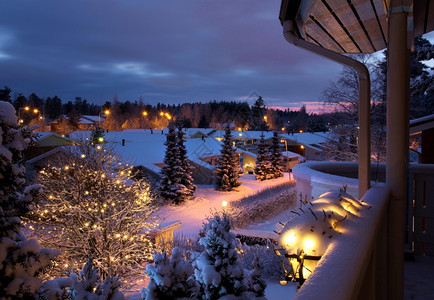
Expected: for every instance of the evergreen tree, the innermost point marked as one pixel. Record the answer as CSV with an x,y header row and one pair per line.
x,y
97,136
186,175
203,122
263,169
171,187
5,94
217,269
170,278
21,259
276,157
227,171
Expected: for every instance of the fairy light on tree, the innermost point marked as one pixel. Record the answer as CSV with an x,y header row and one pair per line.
x,y
93,207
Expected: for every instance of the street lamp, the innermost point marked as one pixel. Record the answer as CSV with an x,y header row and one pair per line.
x,y
286,148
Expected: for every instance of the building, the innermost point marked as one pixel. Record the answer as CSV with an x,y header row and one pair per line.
x,y
145,149
331,28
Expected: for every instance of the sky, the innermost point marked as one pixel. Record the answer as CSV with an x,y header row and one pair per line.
x,y
163,51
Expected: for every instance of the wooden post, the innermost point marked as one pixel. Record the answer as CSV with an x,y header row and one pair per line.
x,y
397,148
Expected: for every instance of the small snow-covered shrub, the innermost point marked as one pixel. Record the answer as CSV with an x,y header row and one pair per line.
x,y
84,285
272,270
263,205
217,269
170,278
255,282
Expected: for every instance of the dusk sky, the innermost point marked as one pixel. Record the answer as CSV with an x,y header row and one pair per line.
x,y
161,50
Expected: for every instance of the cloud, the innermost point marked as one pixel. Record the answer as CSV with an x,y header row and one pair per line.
x,y
167,51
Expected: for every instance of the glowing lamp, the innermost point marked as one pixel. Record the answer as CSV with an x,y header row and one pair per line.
x,y
27,108
308,244
107,112
290,238
302,146
100,139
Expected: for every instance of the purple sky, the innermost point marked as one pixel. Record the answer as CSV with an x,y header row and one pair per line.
x,y
161,50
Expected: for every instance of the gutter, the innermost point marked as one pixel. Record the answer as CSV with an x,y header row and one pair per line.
x,y
364,142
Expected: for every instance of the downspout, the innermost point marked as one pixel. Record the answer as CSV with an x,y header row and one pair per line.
x,y
364,142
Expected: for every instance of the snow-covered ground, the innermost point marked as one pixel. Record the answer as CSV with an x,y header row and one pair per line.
x,y
207,200
418,275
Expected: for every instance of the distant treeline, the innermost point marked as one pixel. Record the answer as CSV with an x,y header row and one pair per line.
x,y
214,114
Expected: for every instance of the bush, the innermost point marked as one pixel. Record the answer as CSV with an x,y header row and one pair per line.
x,y
264,205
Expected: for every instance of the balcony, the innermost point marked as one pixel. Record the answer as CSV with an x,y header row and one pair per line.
x,y
367,263
354,266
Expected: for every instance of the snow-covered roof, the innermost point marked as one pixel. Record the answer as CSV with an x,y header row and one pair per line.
x,y
290,154
147,149
248,134
193,131
252,135
307,138
94,118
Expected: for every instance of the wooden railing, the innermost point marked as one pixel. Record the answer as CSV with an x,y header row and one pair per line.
x,y
354,266
420,209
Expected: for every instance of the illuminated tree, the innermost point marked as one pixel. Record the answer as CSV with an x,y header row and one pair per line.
x,y
227,171
92,207
21,259
84,285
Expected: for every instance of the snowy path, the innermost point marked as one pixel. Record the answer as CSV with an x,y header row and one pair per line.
x,y
207,200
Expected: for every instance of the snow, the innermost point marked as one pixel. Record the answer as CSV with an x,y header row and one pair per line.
x,y
275,291
143,148
7,113
307,138
207,200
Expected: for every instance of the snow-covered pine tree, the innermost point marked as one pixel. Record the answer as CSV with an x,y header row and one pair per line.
x,y
263,168
171,172
186,178
217,269
227,170
255,284
84,285
276,157
97,136
170,278
87,285
93,207
21,259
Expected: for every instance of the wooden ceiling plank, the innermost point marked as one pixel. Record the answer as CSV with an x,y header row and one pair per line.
x,y
349,20
326,19
315,31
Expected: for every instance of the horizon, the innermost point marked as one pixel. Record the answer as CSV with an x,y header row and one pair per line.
x,y
167,52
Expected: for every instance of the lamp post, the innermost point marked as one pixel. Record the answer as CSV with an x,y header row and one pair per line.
x,y
145,114
26,108
106,112
286,148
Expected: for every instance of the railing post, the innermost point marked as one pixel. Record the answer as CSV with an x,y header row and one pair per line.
x,y
397,147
